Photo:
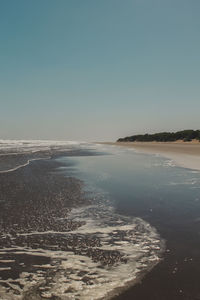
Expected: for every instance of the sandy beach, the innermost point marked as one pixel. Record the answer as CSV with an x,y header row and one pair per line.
x,y
48,247
184,154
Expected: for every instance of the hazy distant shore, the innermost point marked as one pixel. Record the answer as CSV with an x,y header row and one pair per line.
x,y
184,154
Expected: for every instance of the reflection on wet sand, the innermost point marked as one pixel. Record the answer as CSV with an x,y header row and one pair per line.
x,y
57,242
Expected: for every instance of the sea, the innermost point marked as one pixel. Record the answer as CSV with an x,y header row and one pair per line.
x,y
134,197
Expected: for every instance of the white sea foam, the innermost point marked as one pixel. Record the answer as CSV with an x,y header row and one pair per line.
x,y
21,146
14,147
190,181
79,276
21,166
164,162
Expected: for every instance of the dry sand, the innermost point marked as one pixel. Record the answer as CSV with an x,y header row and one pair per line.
x,y
184,154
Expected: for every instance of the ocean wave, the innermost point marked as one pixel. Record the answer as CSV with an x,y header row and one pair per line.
x,y
20,146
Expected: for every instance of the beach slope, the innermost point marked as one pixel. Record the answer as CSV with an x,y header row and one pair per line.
x,y
184,154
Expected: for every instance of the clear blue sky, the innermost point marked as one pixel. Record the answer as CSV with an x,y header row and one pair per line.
x,y
98,70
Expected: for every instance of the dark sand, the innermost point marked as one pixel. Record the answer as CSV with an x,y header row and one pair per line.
x,y
37,198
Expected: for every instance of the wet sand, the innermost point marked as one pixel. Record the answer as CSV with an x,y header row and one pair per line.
x,y
34,199
35,204
177,275
185,154
37,198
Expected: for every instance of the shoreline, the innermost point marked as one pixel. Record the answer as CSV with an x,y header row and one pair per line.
x,y
185,155
176,276
43,243
41,189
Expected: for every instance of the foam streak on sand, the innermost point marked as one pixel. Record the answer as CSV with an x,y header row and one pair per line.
x,y
21,166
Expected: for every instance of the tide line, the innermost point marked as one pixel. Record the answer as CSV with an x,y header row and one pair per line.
x,y
22,166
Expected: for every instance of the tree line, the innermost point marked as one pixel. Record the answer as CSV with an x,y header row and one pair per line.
x,y
184,135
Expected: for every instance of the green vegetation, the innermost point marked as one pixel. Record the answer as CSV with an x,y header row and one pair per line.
x,y
184,135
